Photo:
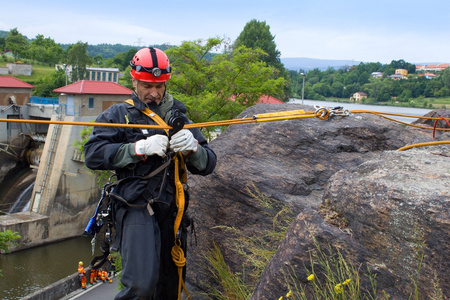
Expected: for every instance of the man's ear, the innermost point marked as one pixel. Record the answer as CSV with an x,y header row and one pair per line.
x,y
134,81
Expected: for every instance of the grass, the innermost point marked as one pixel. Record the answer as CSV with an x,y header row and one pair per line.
x,y
255,250
331,276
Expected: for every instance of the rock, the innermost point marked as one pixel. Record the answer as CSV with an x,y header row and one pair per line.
x,y
442,112
395,205
289,161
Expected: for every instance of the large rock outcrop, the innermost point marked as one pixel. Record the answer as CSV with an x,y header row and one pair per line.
x,y
292,163
396,205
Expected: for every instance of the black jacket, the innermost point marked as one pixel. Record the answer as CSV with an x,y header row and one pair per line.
x,y
104,143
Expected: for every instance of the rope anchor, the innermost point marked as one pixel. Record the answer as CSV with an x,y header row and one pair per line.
x,y
324,113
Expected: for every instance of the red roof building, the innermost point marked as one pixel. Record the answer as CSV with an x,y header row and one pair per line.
x,y
90,98
13,90
266,99
12,82
94,87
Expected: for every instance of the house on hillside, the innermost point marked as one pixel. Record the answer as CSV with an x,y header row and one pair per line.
x,y
358,96
90,98
377,74
436,68
429,75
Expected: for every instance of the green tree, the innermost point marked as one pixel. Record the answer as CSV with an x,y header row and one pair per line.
x,y
337,89
45,50
44,86
322,89
256,35
445,78
221,87
78,57
7,240
2,44
17,43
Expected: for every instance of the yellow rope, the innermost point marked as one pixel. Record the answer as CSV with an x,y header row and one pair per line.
x,y
322,113
177,252
423,145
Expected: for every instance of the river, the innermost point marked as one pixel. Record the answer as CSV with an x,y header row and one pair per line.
x,y
29,270
411,111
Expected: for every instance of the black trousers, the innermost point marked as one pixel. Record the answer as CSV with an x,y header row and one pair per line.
x,y
148,271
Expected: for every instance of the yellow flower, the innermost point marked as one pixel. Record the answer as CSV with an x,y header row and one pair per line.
x,y
347,281
338,288
311,277
289,294
281,298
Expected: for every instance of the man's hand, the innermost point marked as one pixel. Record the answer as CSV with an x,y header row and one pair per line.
x,y
153,145
183,141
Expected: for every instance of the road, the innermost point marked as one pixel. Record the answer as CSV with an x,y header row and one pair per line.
x,y
98,291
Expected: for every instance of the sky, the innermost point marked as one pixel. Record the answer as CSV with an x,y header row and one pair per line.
x,y
360,30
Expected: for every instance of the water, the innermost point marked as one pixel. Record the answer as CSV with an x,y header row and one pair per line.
x,y
379,108
29,270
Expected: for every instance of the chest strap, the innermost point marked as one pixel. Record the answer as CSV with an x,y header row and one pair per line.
x,y
152,115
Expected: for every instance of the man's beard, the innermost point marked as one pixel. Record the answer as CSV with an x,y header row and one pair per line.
x,y
152,103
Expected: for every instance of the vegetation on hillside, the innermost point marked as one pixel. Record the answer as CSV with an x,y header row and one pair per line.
x,y
343,83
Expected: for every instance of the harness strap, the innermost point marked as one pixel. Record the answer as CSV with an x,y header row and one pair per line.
x,y
148,112
177,252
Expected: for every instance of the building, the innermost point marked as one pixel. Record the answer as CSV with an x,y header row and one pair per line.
x,y
434,68
94,74
13,90
90,98
14,96
103,74
377,74
402,72
266,99
429,75
358,96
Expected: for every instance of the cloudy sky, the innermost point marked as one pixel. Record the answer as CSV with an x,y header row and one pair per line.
x,y
360,30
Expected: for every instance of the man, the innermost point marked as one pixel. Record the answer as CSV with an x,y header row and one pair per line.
x,y
144,205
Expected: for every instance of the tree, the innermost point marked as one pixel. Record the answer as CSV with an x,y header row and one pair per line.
x,y
44,86
78,57
45,50
16,42
7,239
445,77
256,35
221,87
2,44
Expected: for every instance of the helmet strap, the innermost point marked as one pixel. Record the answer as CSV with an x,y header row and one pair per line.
x,y
154,58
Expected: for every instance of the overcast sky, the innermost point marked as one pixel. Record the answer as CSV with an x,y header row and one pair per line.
x,y
360,30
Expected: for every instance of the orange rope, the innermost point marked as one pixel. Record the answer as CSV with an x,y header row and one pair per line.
x,y
177,252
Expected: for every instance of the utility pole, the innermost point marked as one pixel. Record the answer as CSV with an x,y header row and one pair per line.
x,y
303,88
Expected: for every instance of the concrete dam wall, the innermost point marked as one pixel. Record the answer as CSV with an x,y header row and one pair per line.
x,y
64,195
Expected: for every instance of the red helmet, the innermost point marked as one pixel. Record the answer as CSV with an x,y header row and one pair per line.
x,y
150,65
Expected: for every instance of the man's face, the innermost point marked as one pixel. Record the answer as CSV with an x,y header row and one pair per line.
x,y
149,91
